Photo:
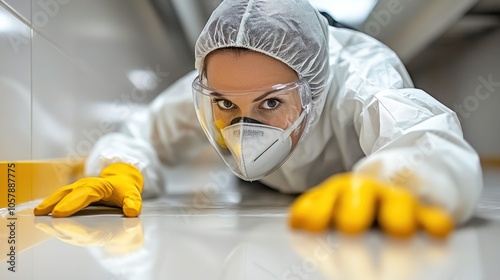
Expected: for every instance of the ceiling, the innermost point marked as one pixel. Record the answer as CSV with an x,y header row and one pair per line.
x,y
483,17
418,24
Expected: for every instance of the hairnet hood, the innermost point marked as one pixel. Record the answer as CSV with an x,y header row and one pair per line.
x,y
291,31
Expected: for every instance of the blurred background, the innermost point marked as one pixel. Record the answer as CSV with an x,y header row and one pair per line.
x,y
72,70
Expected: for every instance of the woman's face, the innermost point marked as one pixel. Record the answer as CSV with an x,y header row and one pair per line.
x,y
243,82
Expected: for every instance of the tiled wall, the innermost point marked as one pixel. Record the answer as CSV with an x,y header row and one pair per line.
x,y
69,67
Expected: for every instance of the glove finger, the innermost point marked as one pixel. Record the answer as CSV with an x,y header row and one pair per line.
x,y
435,221
132,204
75,201
356,209
397,214
313,210
48,204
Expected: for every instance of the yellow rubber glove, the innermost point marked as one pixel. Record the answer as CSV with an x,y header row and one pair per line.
x,y
351,203
118,185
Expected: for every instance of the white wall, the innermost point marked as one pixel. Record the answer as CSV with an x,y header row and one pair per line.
x,y
15,89
71,70
454,71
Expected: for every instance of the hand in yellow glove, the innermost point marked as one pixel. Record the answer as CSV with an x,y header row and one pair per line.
x,y
351,203
118,185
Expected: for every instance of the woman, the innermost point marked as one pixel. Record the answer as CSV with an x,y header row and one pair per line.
x,y
289,101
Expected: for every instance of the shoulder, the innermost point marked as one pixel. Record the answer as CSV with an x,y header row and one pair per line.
x,y
353,41
363,62
178,92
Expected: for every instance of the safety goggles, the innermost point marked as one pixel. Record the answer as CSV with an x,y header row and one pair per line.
x,y
254,131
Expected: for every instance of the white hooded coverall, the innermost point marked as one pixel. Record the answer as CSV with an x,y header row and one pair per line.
x,y
368,117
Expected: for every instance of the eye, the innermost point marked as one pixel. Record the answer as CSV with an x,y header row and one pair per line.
x,y
224,104
271,103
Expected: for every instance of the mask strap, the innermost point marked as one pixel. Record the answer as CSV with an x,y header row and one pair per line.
x,y
294,126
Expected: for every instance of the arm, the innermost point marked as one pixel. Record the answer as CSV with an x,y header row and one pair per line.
x,y
167,132
426,174
412,140
125,167
408,137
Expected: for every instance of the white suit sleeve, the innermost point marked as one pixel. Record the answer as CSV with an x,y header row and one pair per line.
x,y
414,141
167,132
408,137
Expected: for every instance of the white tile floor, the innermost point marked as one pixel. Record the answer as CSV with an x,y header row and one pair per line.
x,y
239,231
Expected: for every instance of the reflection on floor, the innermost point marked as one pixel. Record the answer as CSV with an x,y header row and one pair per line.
x,y
236,230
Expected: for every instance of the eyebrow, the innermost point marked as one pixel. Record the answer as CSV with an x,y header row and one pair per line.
x,y
262,96
265,94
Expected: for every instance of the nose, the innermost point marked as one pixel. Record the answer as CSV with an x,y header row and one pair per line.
x,y
244,120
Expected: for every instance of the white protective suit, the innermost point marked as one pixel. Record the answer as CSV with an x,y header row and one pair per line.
x,y
368,118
